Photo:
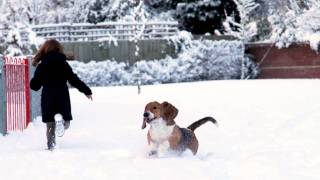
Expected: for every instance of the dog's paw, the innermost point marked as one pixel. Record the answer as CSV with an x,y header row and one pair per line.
x,y
152,153
161,155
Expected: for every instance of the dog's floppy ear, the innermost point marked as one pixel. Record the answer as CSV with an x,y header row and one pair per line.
x,y
144,124
169,112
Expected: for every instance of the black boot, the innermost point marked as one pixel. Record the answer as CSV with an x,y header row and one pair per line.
x,y
51,137
66,125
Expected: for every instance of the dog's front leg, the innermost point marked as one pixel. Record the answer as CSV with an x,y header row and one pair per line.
x,y
153,148
163,148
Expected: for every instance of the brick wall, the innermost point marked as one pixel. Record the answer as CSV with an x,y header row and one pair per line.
x,y
297,61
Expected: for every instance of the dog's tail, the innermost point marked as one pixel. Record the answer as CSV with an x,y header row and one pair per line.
x,y
200,122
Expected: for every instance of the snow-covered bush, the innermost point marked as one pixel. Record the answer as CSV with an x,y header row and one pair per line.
x,y
205,60
103,73
181,41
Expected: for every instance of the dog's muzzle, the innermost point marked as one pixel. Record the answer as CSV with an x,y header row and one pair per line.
x,y
147,118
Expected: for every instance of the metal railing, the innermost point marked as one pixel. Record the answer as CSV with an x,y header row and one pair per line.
x,y
67,32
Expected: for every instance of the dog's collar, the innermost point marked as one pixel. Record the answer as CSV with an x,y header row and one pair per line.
x,y
150,120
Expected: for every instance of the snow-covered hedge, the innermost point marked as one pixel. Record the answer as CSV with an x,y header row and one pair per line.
x,y
204,60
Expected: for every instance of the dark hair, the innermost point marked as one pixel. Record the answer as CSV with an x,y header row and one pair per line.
x,y
50,45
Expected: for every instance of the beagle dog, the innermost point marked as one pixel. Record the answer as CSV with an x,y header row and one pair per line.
x,y
164,134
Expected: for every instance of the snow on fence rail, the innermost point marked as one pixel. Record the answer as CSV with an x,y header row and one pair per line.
x,y
67,32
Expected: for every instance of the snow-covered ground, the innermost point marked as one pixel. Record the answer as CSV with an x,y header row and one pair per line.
x,y
268,130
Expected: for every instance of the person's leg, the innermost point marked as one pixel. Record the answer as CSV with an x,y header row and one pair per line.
x,y
67,117
65,109
66,124
51,137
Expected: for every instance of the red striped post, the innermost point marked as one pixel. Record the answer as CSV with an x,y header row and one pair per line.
x,y
18,114
27,91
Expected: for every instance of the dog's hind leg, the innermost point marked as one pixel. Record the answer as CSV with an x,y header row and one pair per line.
x,y
194,144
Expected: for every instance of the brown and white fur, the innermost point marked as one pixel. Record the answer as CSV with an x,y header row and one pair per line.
x,y
164,134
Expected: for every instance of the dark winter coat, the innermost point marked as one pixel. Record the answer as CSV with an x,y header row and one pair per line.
x,y
52,75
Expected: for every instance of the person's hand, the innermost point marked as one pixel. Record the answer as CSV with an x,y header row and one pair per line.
x,y
89,97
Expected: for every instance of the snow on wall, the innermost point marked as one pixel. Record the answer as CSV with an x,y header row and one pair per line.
x,y
205,60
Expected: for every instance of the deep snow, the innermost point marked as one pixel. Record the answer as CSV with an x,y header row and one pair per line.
x,y
268,130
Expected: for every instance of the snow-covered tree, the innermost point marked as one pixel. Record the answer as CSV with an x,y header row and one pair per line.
x,y
60,11
17,38
309,24
247,27
283,28
295,21
110,10
78,11
96,13
206,16
164,4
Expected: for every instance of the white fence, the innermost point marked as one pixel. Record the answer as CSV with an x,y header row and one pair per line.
x,y
108,30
